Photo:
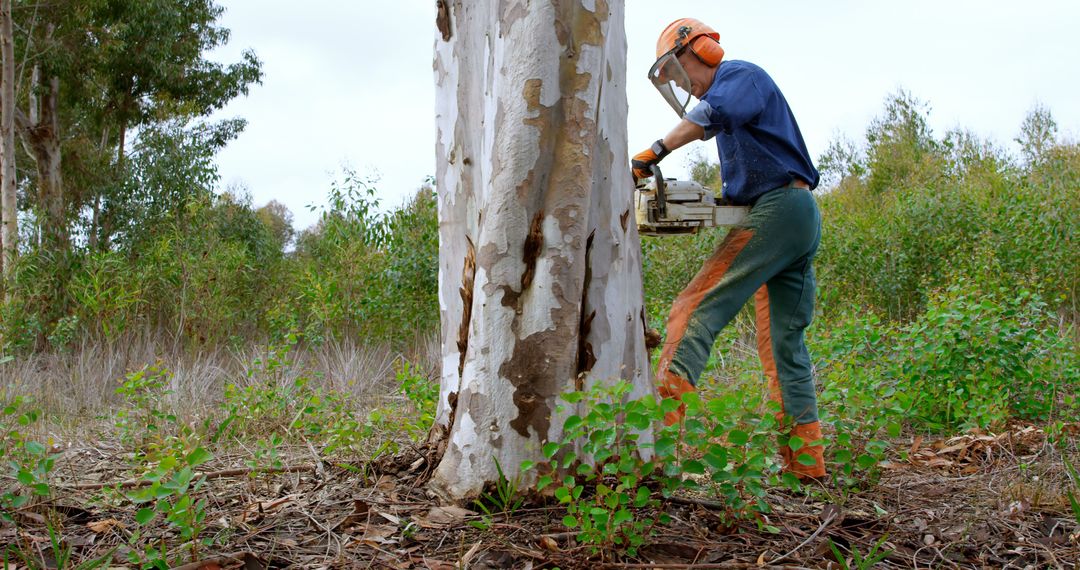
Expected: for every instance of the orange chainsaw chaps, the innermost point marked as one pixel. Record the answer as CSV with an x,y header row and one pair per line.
x,y
809,433
674,386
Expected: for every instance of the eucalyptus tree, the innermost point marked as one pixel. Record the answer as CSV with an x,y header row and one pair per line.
x,y
9,215
96,71
539,270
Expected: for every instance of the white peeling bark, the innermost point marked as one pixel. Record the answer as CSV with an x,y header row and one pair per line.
x,y
9,226
540,271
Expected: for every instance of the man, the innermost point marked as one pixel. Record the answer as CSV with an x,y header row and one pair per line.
x,y
765,165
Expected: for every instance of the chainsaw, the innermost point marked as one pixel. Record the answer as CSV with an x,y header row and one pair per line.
x,y
665,206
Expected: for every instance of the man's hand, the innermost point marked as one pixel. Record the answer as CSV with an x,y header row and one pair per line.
x,y
643,160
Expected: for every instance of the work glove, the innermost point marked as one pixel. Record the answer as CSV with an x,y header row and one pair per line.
x,y
642,161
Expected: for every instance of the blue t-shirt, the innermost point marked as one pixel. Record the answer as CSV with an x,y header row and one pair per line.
x,y
757,137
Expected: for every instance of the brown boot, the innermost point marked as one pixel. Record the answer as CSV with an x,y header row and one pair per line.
x,y
809,433
674,386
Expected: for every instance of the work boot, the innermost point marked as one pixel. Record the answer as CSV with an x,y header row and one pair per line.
x,y
809,433
674,386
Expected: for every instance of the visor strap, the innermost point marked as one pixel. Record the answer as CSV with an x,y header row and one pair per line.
x,y
660,150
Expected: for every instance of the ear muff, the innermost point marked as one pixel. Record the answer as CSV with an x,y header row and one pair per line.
x,y
708,50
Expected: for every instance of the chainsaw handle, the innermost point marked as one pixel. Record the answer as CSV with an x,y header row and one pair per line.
x,y
661,190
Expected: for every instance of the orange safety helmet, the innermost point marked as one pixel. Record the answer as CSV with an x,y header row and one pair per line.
x,y
667,74
702,40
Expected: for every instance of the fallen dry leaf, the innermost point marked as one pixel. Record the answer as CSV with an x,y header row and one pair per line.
x,y
549,544
103,526
444,516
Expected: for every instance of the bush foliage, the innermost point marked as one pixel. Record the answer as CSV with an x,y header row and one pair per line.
x,y
947,271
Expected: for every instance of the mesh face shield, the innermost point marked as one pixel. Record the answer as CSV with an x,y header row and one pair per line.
x,y
671,80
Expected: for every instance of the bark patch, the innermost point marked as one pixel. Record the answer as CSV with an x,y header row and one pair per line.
x,y
533,242
442,19
468,281
586,358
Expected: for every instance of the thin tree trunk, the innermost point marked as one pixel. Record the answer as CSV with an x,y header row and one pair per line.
x,y
9,215
540,272
40,134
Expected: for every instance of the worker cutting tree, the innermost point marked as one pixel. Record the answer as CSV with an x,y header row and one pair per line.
x,y
765,166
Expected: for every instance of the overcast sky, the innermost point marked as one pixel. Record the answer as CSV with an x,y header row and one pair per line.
x,y
350,82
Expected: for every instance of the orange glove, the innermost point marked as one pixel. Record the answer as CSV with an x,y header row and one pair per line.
x,y
643,160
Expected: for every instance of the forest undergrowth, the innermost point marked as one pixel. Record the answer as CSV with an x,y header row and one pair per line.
x,y
212,393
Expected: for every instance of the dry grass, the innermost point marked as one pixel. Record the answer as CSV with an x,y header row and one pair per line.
x,y
82,382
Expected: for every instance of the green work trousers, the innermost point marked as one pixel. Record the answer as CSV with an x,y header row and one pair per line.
x,y
769,257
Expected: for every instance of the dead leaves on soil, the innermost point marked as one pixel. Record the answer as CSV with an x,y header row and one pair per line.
x,y
969,453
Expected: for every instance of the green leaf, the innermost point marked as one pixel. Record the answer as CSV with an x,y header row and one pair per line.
x,y
572,423
35,448
668,405
796,443
806,459
573,397
665,447
569,521
199,456
716,458
693,466
642,498
866,461
738,437
551,448
562,494
145,515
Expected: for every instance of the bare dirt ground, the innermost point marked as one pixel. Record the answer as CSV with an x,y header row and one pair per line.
x,y
971,501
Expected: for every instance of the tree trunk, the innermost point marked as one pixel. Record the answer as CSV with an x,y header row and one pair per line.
x,y
540,263
9,214
40,134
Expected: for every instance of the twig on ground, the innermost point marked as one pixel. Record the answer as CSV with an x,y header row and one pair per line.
x,y
135,483
828,520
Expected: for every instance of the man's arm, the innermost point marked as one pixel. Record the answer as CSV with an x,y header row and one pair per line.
x,y
683,133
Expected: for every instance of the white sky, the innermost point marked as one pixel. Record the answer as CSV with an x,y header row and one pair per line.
x,y
350,82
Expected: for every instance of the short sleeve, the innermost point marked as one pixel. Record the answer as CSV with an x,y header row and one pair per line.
x,y
702,116
733,101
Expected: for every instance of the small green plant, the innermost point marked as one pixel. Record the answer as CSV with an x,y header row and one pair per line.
x,y
27,461
861,561
424,396
266,454
142,416
732,450
1074,491
596,470
172,484
505,500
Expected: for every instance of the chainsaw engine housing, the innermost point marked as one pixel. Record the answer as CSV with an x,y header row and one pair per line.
x,y
669,207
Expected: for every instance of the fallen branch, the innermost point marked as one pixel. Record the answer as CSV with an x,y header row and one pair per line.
x,y
136,483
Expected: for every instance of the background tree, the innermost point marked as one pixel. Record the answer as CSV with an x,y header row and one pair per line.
x,y
99,69
9,215
540,272
277,217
